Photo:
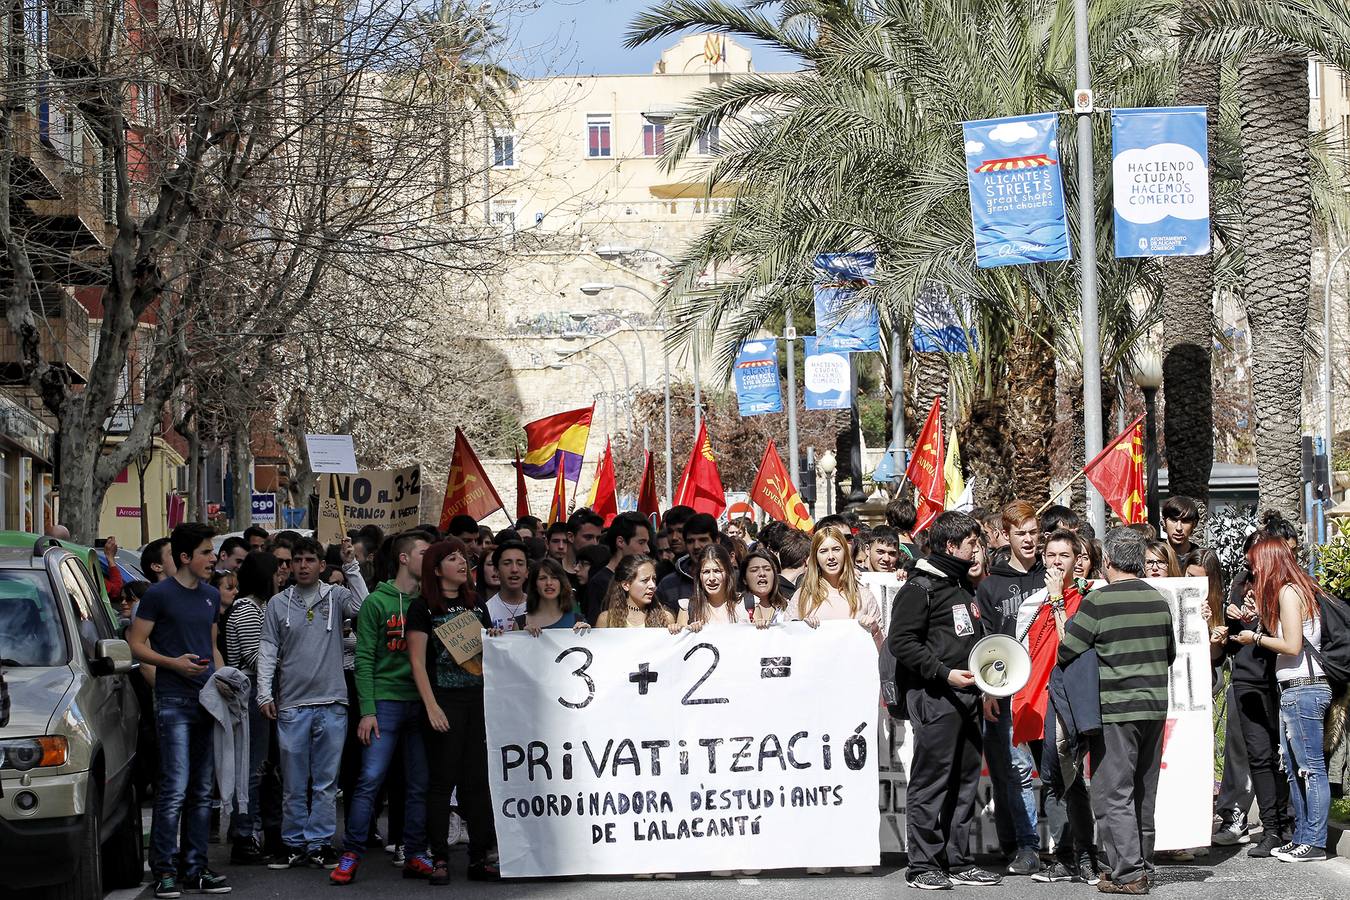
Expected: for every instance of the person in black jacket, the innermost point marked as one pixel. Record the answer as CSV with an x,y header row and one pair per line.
x,y
674,591
1010,581
934,625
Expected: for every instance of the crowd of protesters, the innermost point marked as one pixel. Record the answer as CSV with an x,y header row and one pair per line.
x,y
330,654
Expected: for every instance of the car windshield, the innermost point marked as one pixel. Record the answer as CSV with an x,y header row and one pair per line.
x,y
30,624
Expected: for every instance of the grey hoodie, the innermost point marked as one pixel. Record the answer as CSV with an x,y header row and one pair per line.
x,y
301,645
225,697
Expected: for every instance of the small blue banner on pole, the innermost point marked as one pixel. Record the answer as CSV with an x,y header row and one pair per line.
x,y
939,325
1160,181
827,376
757,388
842,324
1016,193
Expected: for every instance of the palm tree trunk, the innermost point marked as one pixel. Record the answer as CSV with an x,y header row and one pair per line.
x,y
1277,202
1188,316
1030,404
986,452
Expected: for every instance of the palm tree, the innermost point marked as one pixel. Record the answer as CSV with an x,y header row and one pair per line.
x,y
454,68
1280,198
862,150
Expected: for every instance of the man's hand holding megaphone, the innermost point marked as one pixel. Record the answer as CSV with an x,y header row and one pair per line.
x,y
964,678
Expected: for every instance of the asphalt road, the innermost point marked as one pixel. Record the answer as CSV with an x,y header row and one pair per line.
x,y
1225,872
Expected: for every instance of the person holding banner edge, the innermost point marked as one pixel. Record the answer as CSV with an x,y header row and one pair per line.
x,y
935,623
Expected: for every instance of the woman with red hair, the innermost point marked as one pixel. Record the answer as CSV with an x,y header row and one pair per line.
x,y
1289,625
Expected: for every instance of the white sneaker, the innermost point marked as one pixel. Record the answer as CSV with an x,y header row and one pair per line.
x,y
399,859
1232,831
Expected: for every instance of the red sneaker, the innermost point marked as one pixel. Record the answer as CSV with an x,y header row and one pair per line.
x,y
418,867
345,873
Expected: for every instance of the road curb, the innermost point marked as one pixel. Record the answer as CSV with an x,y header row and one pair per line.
x,y
1338,839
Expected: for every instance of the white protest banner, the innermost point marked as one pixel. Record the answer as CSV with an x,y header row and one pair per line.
x,y
1185,783
389,498
331,454
634,750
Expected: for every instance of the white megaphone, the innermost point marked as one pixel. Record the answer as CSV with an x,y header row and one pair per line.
x,y
1001,665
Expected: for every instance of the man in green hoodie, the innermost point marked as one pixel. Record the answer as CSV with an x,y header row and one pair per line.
x,y
390,709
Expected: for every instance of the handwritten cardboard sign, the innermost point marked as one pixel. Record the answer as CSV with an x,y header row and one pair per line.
x,y
462,636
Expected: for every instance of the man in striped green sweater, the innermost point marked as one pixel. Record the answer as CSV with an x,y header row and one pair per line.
x,y
1129,625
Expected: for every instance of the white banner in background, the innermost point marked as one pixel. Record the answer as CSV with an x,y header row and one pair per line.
x,y
633,750
1185,784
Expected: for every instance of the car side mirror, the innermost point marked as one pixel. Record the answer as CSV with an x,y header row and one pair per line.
x,y
114,657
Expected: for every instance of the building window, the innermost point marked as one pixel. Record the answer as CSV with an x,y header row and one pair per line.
x,y
599,137
653,139
504,214
1314,79
710,142
504,151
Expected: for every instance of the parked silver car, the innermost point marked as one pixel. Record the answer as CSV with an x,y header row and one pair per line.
x,y
70,821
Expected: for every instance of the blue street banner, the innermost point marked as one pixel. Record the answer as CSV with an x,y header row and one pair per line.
x,y
1160,181
1016,192
827,376
939,325
842,324
757,387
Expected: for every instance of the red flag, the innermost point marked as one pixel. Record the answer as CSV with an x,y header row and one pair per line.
x,y
557,507
522,492
1118,474
649,503
776,494
925,469
701,483
467,489
604,500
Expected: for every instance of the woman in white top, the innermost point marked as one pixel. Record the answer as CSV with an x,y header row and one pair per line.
x,y
1291,626
716,600
831,589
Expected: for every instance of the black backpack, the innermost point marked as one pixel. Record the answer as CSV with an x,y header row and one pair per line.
x,y
1334,654
901,679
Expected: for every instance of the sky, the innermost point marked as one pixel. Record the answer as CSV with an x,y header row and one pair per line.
x,y
585,37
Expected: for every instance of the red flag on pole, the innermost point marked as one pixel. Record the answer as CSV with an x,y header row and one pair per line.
x,y
649,503
557,507
1118,474
604,500
925,469
467,489
522,492
701,483
776,494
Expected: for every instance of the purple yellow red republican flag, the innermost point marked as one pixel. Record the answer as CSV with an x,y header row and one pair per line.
x,y
557,439
1118,474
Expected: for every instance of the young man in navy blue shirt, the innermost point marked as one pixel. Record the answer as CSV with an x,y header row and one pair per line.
x,y
175,631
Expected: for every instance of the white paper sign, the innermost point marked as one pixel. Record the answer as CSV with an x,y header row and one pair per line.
x,y
1185,783
331,454
633,750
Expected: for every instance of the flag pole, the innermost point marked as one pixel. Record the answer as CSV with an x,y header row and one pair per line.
x,y
1060,492
342,520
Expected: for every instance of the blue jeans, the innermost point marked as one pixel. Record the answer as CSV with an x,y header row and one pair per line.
x,y
1302,712
259,736
310,741
400,723
1010,770
183,791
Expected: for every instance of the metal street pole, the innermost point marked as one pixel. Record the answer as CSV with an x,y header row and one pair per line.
x,y
1328,420
790,342
1087,261
898,401
698,395
1151,456
670,476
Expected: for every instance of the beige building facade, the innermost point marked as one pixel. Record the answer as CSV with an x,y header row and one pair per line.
x,y
579,187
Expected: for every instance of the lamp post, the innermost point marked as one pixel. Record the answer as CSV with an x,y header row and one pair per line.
x,y
564,356
600,394
595,288
826,464
1148,374
1328,420
627,376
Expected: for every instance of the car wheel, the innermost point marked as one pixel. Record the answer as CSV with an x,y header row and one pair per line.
x,y
87,882
124,853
